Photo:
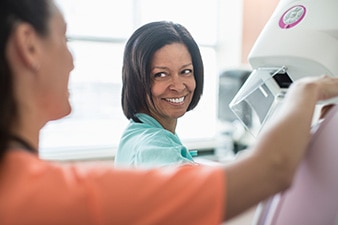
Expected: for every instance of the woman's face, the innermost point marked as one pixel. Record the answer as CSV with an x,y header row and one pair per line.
x,y
55,66
173,82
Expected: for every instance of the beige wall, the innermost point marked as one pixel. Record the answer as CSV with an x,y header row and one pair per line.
x,y
255,14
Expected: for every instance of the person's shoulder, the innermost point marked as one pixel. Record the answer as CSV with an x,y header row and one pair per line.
x,y
147,128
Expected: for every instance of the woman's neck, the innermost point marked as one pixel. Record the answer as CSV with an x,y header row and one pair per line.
x,y
168,124
19,142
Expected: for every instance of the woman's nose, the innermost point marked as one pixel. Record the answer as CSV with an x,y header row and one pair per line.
x,y
177,83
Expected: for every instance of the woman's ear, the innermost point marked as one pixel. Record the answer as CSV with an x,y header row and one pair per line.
x,y
27,46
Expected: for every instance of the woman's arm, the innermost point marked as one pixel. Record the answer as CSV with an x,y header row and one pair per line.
x,y
272,162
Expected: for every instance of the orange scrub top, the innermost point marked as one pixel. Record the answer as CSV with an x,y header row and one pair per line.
x,y
33,191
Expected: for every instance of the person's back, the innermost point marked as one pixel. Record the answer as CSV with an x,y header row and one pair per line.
x,y
37,192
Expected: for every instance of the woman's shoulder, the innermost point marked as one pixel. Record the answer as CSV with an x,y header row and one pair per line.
x,y
147,128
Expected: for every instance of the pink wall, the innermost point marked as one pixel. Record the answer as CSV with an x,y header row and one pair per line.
x,y
255,14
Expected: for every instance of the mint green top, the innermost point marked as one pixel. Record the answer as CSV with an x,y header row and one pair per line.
x,y
148,145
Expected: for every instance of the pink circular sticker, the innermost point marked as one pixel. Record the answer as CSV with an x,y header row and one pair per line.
x,y
292,17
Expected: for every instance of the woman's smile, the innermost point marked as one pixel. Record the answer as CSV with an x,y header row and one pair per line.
x,y
176,101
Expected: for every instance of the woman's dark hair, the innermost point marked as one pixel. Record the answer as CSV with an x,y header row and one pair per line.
x,y
138,54
13,12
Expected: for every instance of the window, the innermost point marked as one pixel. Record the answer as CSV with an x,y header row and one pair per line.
x,y
98,31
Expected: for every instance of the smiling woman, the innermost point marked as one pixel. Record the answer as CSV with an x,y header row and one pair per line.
x,y
162,80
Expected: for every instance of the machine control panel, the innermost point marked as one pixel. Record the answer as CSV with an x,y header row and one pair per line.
x,y
292,16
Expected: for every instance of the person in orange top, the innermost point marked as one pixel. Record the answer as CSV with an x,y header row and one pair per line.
x,y
35,64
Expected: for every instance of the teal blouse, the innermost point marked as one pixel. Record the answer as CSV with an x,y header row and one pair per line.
x,y
148,145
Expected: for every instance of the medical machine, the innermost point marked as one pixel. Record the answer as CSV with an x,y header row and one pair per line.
x,y
313,197
299,40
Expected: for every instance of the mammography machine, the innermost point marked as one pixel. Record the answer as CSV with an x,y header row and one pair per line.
x,y
313,197
299,40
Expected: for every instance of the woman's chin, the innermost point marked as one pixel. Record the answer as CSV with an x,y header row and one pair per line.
x,y
68,111
63,114
178,115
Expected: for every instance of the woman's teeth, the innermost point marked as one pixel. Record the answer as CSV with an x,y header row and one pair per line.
x,y
175,100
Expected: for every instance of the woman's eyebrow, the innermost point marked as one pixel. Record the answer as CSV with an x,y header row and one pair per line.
x,y
186,65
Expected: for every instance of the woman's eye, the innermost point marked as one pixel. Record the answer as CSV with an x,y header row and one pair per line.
x,y
187,71
158,75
